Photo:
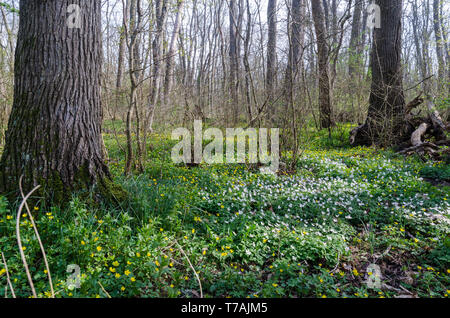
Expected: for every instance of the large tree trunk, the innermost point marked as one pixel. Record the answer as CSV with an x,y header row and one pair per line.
x,y
323,58
54,131
385,118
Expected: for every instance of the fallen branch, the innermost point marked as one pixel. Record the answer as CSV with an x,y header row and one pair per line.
x,y
19,241
7,276
192,267
38,238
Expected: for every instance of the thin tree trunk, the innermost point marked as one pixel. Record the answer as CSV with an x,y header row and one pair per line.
x,y
355,40
122,44
168,81
438,37
323,62
271,56
234,60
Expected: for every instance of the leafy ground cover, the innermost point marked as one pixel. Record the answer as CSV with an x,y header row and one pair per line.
x,y
316,233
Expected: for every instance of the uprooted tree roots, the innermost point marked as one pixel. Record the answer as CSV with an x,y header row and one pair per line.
x,y
425,136
429,133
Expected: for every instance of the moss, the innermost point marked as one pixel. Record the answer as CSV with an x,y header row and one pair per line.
x,y
111,191
53,191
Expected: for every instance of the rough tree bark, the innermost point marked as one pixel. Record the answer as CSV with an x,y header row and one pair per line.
x,y
54,130
385,119
323,59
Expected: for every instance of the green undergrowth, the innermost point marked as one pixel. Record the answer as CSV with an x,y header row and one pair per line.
x,y
314,233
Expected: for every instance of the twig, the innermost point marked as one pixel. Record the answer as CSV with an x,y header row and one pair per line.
x,y
19,242
107,294
426,78
192,267
7,276
39,240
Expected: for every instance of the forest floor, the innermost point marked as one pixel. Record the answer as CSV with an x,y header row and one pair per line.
x,y
351,222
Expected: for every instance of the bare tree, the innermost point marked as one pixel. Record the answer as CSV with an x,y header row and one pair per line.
x,y
325,106
271,55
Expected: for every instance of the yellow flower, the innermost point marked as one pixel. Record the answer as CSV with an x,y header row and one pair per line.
x,y
100,221
171,264
8,217
115,263
193,231
99,248
157,263
275,285
117,275
112,269
355,272
36,208
133,279
138,254
24,248
122,288
127,272
83,243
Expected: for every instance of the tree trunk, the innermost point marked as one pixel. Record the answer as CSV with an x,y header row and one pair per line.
x,y
158,47
355,40
234,60
54,131
323,58
271,55
438,37
171,53
384,124
122,45
294,68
